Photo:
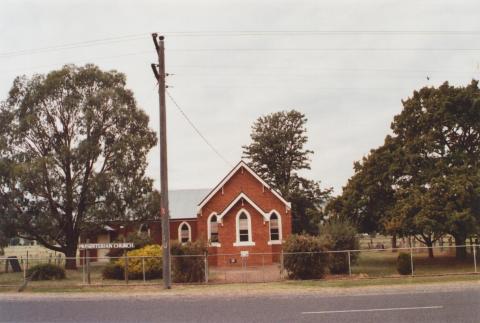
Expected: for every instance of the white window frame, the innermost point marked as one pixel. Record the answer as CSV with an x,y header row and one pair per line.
x,y
209,230
180,232
279,241
239,243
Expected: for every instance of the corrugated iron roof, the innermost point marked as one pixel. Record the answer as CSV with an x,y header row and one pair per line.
x,y
184,203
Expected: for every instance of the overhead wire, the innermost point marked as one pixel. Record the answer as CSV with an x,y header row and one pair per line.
x,y
182,112
238,33
73,45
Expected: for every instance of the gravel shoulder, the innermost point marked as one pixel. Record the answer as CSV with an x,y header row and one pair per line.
x,y
242,290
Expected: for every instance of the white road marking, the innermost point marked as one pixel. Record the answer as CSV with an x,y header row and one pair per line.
x,y
378,309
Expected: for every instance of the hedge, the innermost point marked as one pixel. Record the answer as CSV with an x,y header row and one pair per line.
x,y
46,272
188,262
152,260
341,235
404,264
310,260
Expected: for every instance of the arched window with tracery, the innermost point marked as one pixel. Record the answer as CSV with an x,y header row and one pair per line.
x,y
274,227
213,232
184,232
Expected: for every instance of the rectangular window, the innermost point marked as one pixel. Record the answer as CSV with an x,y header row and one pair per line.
x,y
184,236
274,228
274,234
243,235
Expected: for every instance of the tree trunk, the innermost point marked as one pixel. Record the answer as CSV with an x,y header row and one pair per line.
x,y
394,243
460,252
71,254
429,244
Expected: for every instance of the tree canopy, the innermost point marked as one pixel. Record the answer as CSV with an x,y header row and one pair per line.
x,y
277,153
73,150
425,180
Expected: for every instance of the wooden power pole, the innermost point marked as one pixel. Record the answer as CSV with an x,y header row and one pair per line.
x,y
159,72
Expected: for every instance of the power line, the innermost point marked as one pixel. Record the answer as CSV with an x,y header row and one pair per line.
x,y
87,43
197,130
331,49
239,33
77,61
320,32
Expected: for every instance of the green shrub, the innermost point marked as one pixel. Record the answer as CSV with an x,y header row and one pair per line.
x,y
188,269
113,271
152,261
140,240
311,260
341,235
403,264
46,272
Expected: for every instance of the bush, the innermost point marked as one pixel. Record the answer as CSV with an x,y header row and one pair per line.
x,y
152,261
113,271
341,235
403,264
139,240
188,269
46,272
305,265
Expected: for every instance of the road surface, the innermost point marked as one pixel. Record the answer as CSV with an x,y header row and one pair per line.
x,y
438,306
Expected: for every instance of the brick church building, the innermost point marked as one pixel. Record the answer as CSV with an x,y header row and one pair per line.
x,y
241,215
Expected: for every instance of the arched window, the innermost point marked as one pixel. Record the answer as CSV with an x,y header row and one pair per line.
x,y
144,230
243,228
184,232
274,227
213,226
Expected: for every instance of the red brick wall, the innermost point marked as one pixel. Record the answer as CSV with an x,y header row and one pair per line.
x,y
174,224
264,198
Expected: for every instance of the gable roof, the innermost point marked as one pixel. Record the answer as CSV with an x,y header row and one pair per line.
x,y
246,198
183,203
230,174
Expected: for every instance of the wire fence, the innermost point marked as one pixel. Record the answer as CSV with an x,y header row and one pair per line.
x,y
245,267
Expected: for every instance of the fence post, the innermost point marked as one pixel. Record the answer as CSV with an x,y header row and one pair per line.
x,y
87,253
349,264
263,267
126,265
27,260
83,266
411,260
225,266
206,267
143,268
281,264
475,257
24,272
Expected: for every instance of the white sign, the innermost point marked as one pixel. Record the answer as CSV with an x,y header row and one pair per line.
x,y
110,245
244,253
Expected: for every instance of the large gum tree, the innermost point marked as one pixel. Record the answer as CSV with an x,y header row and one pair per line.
x,y
73,150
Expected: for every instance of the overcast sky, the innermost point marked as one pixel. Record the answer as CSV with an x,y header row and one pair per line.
x,y
232,63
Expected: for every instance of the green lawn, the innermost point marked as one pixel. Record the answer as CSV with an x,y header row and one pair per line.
x,y
384,263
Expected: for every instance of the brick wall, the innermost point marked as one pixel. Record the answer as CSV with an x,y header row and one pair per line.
x,y
244,182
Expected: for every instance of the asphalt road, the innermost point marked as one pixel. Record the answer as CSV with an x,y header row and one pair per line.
x,y
445,306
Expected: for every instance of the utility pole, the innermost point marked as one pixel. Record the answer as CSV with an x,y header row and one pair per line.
x,y
159,72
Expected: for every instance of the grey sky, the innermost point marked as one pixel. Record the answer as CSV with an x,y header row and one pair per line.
x,y
349,96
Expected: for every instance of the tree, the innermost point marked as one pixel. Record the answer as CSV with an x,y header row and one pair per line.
x,y
439,135
277,153
369,194
428,170
73,155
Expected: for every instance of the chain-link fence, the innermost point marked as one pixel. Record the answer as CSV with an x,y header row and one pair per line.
x,y
248,267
